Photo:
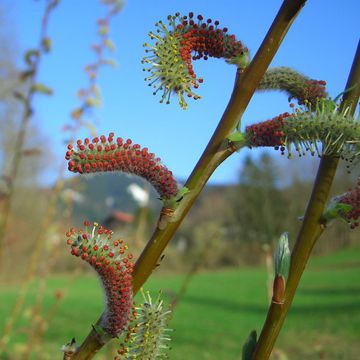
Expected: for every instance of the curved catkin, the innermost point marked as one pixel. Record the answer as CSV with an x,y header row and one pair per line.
x,y
103,154
296,85
183,40
321,133
109,258
150,339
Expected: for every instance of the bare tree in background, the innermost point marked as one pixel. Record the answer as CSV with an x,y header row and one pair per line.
x,y
28,190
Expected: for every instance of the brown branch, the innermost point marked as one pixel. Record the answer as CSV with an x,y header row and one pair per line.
x,y
311,228
217,150
215,153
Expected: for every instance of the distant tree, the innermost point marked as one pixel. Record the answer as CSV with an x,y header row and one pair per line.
x,y
259,206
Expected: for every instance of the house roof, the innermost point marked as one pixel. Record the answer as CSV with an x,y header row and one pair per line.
x,y
122,216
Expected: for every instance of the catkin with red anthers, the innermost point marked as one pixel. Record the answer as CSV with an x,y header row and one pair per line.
x,y
107,154
184,39
298,86
321,132
109,258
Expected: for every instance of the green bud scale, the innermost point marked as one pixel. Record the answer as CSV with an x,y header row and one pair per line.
x,y
282,256
249,346
184,39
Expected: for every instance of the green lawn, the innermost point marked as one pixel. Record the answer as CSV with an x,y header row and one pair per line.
x,y
219,310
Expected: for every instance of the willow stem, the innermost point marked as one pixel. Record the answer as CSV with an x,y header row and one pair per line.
x,y
311,228
215,153
217,149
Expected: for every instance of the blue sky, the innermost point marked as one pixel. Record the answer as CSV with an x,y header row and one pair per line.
x,y
321,44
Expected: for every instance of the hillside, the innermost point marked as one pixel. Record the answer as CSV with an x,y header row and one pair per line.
x,y
100,195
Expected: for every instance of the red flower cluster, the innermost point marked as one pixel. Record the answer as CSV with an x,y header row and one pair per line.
x,y
268,133
352,198
184,39
109,154
206,40
314,89
298,86
95,246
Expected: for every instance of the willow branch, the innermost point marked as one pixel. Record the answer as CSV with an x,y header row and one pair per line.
x,y
311,228
215,153
217,149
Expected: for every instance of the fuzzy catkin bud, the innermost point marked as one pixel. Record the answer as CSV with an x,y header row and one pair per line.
x,y
184,39
150,339
296,85
108,154
94,244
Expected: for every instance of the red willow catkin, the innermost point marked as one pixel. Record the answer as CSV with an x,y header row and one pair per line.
x,y
109,258
184,39
103,154
188,38
321,132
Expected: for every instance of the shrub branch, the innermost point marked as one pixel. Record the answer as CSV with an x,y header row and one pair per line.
x,y
215,153
311,228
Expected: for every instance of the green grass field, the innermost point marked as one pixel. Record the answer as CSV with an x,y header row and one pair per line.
x,y
219,310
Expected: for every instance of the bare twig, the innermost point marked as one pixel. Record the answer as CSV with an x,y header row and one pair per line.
x,y
27,114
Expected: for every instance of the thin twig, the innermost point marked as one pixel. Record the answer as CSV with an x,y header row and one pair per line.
x,y
21,135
